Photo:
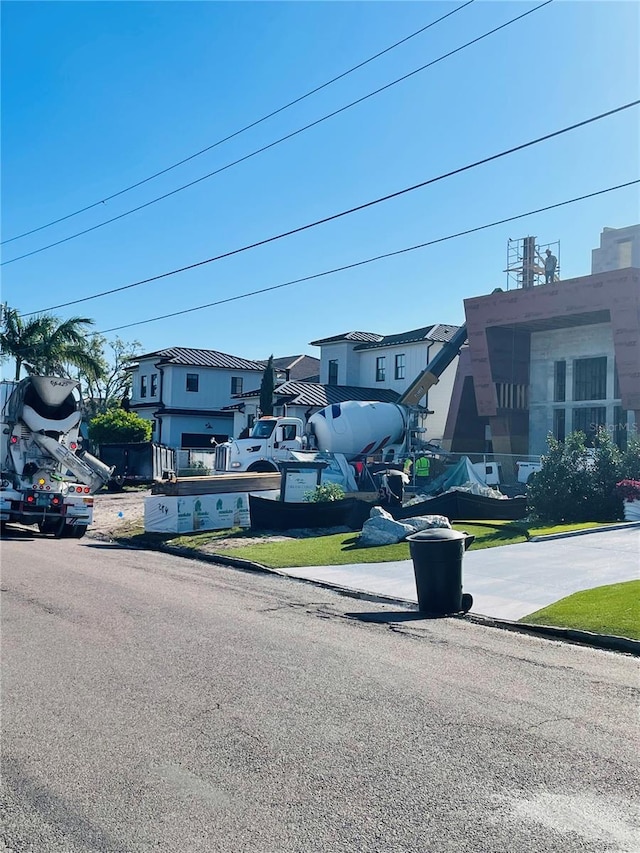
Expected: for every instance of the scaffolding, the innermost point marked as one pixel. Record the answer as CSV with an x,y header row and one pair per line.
x,y
525,262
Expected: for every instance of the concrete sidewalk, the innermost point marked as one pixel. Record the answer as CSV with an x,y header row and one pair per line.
x,y
507,582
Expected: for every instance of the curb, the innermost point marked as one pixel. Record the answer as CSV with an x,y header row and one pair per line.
x,y
606,642
624,525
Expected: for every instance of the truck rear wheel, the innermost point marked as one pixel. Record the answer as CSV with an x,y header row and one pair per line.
x,y
79,530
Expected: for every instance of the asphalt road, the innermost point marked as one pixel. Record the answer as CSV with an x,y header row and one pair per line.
x,y
152,703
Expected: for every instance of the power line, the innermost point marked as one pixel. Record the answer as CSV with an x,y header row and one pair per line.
x,y
369,260
241,130
342,213
276,142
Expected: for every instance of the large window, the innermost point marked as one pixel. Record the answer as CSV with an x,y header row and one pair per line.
x,y
143,386
192,381
620,428
400,366
380,368
236,384
589,419
560,382
590,378
559,429
154,384
333,371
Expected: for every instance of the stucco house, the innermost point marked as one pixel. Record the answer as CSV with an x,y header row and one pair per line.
x,y
186,393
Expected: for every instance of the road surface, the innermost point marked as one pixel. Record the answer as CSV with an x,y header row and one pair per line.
x,y
152,703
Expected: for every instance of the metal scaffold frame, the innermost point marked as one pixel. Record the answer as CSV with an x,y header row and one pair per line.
x,y
525,262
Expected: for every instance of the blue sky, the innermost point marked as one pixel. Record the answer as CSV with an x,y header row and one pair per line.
x,y
96,96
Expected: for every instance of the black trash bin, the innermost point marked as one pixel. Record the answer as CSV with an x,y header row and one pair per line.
x,y
437,564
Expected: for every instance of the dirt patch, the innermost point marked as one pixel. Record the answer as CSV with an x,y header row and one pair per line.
x,y
113,511
118,513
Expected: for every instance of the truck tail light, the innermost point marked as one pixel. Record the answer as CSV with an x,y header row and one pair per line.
x,y
55,500
31,499
73,445
87,490
13,439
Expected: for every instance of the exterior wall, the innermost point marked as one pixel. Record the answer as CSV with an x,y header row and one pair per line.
x,y
348,363
600,314
174,425
417,356
568,345
619,249
214,385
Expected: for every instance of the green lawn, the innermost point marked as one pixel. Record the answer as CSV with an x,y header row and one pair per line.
x,y
337,549
613,609
340,549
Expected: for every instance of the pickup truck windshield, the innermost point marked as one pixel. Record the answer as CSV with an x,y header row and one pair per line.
x,y
263,429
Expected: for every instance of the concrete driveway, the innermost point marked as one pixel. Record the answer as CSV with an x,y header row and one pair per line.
x,y
510,581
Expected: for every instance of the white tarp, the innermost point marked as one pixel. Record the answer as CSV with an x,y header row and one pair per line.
x,y
337,471
163,514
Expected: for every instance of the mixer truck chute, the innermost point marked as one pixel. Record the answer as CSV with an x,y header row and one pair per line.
x,y
45,478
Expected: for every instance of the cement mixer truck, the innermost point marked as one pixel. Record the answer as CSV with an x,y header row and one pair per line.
x,y
353,428
45,476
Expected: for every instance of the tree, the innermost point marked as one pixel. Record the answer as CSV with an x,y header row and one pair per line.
x,y
46,345
117,426
266,389
19,337
106,389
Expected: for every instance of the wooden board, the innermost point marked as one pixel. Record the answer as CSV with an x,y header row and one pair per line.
x,y
218,484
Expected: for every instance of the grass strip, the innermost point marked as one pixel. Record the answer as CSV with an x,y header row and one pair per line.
x,y
612,609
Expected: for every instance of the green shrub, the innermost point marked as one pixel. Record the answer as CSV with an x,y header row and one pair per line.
x,y
325,492
116,426
631,459
576,483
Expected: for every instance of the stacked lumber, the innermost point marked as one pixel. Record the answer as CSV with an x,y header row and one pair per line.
x,y
217,484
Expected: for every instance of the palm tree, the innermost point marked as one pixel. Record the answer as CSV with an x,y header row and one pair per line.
x,y
47,346
19,337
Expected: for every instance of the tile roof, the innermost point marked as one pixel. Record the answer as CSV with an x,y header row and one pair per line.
x,y
299,366
202,358
438,332
315,394
348,336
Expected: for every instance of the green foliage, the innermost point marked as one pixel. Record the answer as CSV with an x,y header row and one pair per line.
x,y
578,484
631,459
266,389
117,426
325,492
46,345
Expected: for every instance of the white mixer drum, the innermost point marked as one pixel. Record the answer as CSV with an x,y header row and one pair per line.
x,y
358,428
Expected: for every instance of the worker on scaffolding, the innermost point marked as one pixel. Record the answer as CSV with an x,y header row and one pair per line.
x,y
550,264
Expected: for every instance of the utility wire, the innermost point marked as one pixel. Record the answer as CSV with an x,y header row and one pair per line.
x,y
277,141
370,260
342,213
242,129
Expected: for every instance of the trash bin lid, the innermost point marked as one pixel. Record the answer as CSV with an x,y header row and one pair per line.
x,y
436,534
